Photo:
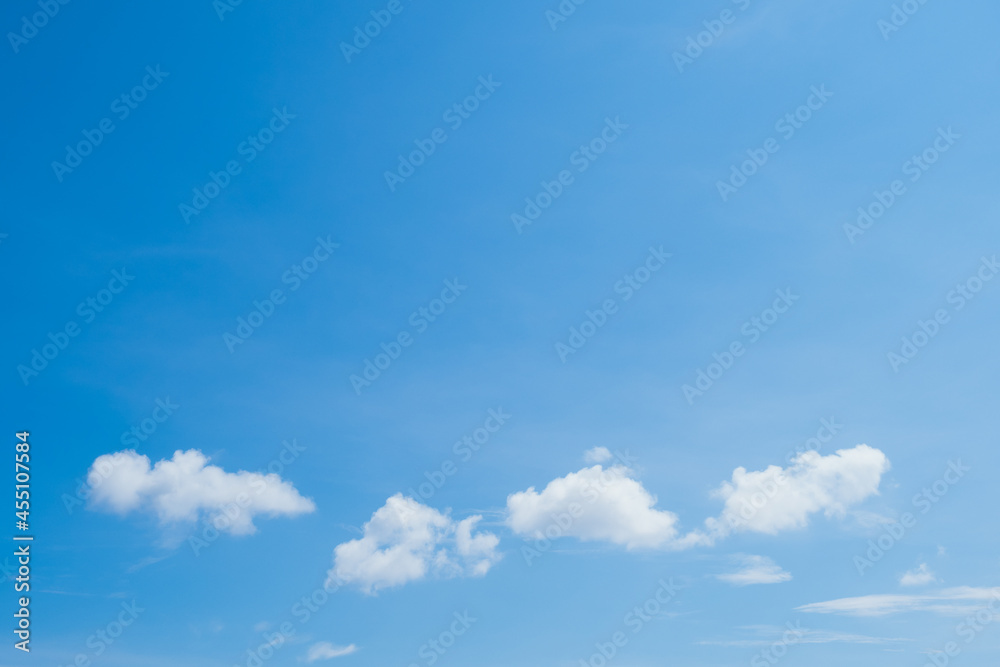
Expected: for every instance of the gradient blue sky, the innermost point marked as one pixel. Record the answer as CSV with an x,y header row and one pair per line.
x,y
656,185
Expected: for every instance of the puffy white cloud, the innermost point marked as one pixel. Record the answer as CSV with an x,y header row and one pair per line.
x,y
326,651
778,499
609,504
478,550
756,570
597,455
920,576
949,602
184,488
405,541
593,504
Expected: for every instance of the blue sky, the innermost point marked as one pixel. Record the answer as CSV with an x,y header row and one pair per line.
x,y
244,171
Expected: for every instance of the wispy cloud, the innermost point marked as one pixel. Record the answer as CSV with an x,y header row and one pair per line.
x,y
948,602
597,455
920,576
765,635
755,570
146,562
327,651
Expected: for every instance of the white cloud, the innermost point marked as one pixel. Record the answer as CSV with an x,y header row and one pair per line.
x,y
872,521
326,651
767,635
777,499
405,541
593,504
920,576
184,488
756,570
478,550
949,602
609,504
597,455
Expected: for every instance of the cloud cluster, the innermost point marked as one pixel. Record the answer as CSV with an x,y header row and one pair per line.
x,y
185,488
405,541
610,505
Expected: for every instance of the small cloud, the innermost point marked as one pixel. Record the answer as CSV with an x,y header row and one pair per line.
x,y
597,455
756,570
920,576
326,651
941,551
871,520
405,540
145,562
263,626
765,635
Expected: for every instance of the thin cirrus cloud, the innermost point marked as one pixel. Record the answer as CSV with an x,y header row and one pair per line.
x,y
328,651
755,570
406,541
948,602
185,488
766,635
